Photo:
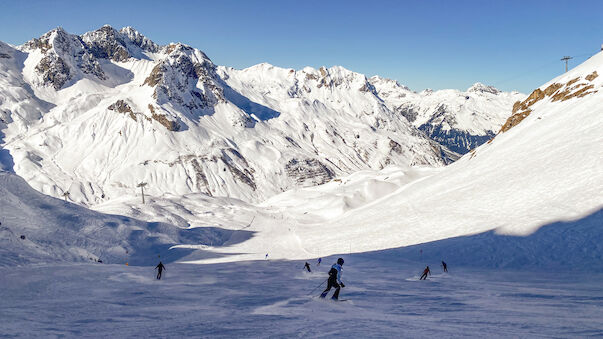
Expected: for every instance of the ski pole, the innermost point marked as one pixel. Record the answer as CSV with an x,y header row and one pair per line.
x,y
318,286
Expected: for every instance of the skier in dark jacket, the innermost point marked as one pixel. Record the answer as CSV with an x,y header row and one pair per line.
x,y
160,269
425,272
444,266
334,280
307,266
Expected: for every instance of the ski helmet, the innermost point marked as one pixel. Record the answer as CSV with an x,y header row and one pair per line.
x,y
340,261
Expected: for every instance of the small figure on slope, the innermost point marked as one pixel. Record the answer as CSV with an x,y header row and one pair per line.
x,y
444,266
426,271
307,266
266,257
334,280
159,269
319,261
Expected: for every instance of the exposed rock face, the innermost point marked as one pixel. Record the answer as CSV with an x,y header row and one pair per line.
x,y
169,124
106,43
54,71
557,92
176,79
409,111
244,175
201,178
122,107
65,56
592,76
309,172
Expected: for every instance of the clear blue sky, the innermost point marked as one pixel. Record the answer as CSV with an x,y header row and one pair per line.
x,y
514,45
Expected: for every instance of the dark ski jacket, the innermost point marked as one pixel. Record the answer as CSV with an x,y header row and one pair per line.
x,y
336,272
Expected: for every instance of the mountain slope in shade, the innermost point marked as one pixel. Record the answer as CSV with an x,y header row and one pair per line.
x,y
110,109
36,228
459,120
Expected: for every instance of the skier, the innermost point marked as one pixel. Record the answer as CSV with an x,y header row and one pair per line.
x,y
425,272
160,269
266,257
444,266
334,280
307,266
319,261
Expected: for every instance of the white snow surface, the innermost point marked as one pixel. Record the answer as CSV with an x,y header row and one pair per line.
x,y
184,125
545,171
269,299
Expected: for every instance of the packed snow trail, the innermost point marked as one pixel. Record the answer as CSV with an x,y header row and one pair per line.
x,y
270,299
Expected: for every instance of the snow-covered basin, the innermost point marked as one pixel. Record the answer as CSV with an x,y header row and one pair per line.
x,y
266,298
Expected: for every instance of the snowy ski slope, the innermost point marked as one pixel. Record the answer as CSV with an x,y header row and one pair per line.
x,y
271,299
546,169
542,171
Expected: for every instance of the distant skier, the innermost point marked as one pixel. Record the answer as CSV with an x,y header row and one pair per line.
x,y
160,269
319,261
307,266
334,280
444,266
266,257
426,271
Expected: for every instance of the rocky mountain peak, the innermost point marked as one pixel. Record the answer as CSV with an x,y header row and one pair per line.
x,y
57,38
139,40
186,77
481,88
64,57
389,86
107,43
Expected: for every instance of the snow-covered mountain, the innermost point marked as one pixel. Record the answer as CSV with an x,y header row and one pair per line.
x,y
529,198
458,120
168,116
94,115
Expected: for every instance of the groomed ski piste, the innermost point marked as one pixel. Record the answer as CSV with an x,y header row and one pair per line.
x,y
518,220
